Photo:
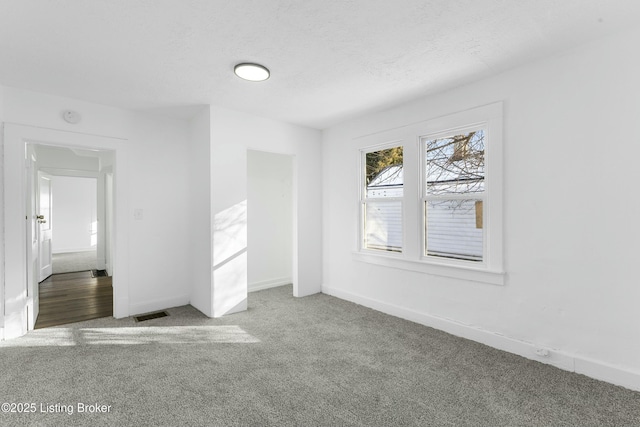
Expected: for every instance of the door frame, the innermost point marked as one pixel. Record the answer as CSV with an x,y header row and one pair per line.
x,y
294,218
16,138
40,176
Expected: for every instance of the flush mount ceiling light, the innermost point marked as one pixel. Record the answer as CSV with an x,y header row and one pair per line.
x,y
251,72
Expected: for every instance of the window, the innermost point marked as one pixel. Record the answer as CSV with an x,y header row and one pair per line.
x,y
454,194
381,200
431,196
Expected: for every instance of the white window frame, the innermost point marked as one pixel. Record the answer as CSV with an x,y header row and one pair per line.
x,y
483,196
413,257
364,199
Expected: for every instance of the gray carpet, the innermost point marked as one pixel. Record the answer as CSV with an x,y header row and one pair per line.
x,y
315,361
71,262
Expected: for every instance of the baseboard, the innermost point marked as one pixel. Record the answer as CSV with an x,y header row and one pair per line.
x,y
563,360
121,308
609,373
158,304
266,284
68,251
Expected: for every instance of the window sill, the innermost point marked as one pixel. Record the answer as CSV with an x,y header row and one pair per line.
x,y
434,269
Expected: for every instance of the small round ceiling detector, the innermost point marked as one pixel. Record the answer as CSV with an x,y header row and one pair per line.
x,y
251,72
71,116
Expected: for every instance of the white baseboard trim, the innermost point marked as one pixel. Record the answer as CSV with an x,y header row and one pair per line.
x,y
68,251
121,308
563,360
158,304
266,284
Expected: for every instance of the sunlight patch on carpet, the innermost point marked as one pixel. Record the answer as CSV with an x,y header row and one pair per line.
x,y
225,334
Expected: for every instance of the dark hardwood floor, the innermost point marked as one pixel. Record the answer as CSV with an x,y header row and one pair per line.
x,y
74,297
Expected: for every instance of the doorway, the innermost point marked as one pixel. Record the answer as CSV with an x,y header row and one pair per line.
x,y
70,182
20,296
270,219
74,224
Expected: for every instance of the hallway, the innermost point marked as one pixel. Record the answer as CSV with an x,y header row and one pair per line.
x,y
74,297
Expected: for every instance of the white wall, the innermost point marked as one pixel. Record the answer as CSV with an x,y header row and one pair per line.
x,y
74,214
201,237
2,284
270,219
570,215
232,134
156,258
65,161
159,262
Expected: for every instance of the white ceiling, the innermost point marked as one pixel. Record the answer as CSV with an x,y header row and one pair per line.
x,y
330,59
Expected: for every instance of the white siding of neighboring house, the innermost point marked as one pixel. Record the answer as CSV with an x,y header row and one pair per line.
x,y
451,229
383,217
383,225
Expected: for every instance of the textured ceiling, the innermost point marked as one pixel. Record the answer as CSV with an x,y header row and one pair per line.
x,y
330,59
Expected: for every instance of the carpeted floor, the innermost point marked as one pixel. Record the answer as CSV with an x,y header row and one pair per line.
x,y
314,361
70,262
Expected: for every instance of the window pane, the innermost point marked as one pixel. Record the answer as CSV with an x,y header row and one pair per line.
x,y
383,174
383,225
455,164
454,229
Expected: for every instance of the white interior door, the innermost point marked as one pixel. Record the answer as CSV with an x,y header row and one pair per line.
x,y
45,204
33,266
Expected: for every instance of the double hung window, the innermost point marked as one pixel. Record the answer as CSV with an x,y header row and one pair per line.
x,y
431,196
381,199
454,194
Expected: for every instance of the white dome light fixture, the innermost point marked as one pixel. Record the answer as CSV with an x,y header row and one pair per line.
x,y
251,72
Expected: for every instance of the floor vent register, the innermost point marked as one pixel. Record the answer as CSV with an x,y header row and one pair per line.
x,y
155,315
